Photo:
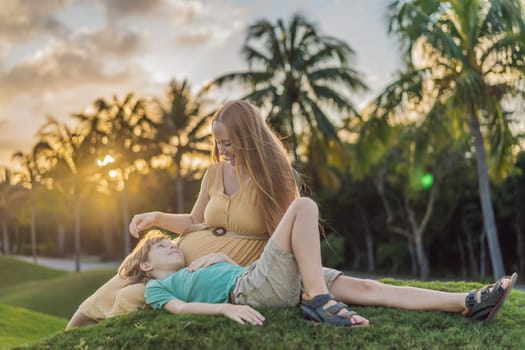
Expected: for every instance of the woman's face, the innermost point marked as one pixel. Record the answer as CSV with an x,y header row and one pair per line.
x,y
223,141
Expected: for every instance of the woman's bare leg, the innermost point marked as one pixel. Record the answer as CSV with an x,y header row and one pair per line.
x,y
298,233
369,292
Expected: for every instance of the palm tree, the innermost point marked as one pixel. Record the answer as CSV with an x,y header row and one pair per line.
x,y
183,131
72,167
34,172
295,71
10,191
5,190
123,130
466,55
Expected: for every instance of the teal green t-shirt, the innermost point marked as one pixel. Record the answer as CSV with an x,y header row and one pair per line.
x,y
210,284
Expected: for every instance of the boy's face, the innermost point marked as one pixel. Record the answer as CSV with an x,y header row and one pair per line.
x,y
164,256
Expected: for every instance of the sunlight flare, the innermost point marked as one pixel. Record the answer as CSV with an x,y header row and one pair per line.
x,y
107,160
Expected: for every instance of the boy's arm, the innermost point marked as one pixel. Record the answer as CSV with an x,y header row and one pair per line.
x,y
239,313
208,260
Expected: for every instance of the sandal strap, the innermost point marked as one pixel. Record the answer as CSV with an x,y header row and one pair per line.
x,y
470,299
319,300
336,314
488,299
334,309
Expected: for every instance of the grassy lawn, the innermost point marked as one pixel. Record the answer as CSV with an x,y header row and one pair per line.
x,y
36,301
284,329
59,296
15,271
20,326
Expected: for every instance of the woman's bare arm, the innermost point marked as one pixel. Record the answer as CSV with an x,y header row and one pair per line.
x,y
173,222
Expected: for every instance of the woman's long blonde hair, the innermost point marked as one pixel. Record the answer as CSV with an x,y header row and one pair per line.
x,y
130,267
263,155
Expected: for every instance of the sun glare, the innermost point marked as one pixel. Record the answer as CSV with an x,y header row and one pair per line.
x,y
107,160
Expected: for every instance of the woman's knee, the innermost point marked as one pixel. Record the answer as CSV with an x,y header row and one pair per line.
x,y
79,320
304,205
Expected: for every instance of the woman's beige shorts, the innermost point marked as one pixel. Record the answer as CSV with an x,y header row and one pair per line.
x,y
273,280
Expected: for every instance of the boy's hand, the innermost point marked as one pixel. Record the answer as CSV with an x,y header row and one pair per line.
x,y
207,260
243,313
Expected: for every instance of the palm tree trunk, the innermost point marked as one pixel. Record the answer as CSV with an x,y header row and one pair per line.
x,y
484,192
125,220
33,232
5,245
413,260
483,253
422,259
17,238
61,237
294,139
179,187
77,234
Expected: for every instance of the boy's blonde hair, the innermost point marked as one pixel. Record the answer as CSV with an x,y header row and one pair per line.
x,y
130,267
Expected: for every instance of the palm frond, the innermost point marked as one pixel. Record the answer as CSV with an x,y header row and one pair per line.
x,y
326,94
345,75
255,57
246,78
259,96
323,123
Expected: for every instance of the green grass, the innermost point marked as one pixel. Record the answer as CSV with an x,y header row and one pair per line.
x,y
20,326
284,329
15,271
58,296
36,301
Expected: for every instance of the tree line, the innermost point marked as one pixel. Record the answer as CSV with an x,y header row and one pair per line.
x,y
428,176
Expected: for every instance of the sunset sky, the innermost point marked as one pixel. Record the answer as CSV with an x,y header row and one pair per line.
x,y
58,56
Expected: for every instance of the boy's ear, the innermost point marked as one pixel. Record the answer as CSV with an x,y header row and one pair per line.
x,y
145,266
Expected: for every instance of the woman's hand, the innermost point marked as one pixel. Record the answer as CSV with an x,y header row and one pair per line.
x,y
207,260
141,222
243,313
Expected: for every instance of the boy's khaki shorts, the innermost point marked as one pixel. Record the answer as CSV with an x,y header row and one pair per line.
x,y
273,280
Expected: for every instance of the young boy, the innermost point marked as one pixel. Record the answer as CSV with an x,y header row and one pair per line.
x,y
215,285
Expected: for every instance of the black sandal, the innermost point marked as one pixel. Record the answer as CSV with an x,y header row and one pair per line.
x,y
312,309
490,300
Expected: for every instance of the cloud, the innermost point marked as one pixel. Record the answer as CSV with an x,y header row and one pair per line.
x,y
193,38
176,11
110,41
61,66
196,23
123,8
21,20
185,12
